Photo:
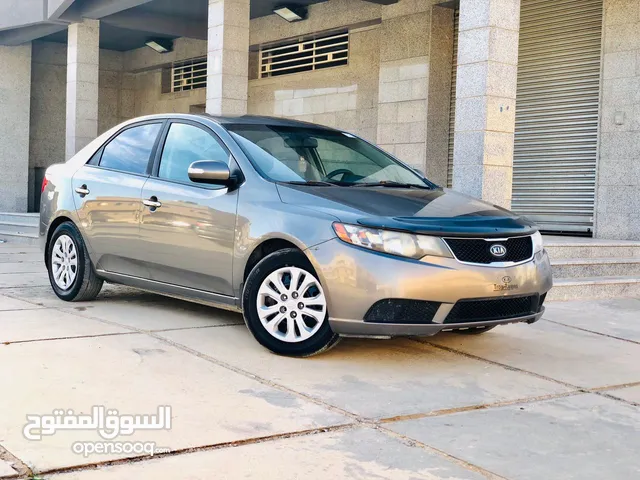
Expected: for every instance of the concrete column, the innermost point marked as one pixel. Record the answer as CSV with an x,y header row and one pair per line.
x,y
15,102
228,57
486,99
617,212
83,52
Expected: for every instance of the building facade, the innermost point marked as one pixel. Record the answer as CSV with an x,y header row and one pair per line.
x,y
530,104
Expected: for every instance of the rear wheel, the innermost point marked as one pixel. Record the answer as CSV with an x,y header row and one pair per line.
x,y
71,273
285,307
474,330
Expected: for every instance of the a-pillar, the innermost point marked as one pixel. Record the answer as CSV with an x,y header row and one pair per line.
x,y
486,99
83,53
228,57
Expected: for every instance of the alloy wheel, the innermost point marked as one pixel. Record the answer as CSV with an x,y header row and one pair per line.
x,y
64,262
291,304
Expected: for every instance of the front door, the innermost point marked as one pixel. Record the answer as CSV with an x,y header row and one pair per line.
x,y
107,192
188,228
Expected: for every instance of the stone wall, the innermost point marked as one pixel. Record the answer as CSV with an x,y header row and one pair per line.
x,y
618,177
14,127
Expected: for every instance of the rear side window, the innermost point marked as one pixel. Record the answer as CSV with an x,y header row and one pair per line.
x,y
130,151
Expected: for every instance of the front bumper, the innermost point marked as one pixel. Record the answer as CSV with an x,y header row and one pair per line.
x,y
354,279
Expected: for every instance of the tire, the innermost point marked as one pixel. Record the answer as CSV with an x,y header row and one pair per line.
x,y
474,330
85,285
272,326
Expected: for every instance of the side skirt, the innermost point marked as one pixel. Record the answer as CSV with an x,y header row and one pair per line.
x,y
183,293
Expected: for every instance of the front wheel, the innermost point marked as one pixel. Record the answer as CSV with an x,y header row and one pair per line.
x,y
71,273
285,307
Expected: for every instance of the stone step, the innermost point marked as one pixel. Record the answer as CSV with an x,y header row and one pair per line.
x,y
27,218
594,287
11,236
592,249
20,227
596,267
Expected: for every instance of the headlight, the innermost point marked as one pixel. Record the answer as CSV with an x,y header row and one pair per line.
x,y
538,245
394,243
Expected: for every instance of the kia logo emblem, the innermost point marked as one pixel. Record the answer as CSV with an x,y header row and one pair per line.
x,y
506,279
498,250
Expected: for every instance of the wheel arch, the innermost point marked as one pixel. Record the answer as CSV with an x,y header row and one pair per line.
x,y
55,223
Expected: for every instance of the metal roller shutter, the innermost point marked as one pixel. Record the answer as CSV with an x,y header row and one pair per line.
x,y
556,134
452,104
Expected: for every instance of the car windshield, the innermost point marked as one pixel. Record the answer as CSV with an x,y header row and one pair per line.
x,y
320,157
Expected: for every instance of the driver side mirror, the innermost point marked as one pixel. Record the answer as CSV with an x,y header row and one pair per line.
x,y
213,172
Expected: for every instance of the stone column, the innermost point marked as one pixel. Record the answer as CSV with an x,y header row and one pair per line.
x,y
228,57
15,105
486,99
83,53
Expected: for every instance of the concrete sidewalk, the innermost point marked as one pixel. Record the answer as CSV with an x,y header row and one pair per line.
x,y
559,399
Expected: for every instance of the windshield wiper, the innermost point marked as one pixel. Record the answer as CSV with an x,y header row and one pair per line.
x,y
311,183
391,184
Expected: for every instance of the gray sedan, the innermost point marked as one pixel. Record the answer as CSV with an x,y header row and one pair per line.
x,y
311,232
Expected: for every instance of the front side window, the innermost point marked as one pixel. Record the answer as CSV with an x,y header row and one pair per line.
x,y
186,144
303,154
130,150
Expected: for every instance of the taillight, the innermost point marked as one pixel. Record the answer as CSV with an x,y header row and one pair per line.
x,y
44,184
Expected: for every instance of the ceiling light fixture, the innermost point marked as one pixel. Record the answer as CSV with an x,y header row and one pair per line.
x,y
160,45
291,13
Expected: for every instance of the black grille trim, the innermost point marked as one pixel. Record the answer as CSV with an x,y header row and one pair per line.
x,y
483,310
476,250
398,310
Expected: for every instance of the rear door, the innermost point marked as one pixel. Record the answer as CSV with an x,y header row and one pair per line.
x,y
108,196
188,229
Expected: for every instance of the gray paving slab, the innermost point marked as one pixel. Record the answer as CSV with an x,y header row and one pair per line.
x,y
135,374
619,317
6,471
22,267
47,323
629,394
354,454
579,437
21,257
44,296
373,378
147,311
555,351
8,303
23,279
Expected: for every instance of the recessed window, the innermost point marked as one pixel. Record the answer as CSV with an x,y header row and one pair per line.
x,y
189,75
319,52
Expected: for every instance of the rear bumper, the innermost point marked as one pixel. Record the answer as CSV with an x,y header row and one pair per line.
x,y
354,279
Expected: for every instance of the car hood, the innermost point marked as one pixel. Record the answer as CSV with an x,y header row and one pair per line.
x,y
437,212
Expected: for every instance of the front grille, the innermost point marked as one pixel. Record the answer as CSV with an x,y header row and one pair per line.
x,y
396,310
476,250
493,309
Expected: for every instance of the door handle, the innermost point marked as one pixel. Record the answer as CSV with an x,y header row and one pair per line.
x,y
82,190
152,203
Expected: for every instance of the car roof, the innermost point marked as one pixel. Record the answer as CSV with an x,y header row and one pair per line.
x,y
236,120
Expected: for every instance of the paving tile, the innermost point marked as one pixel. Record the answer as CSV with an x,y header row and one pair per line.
x,y
555,351
8,303
619,317
354,454
21,257
6,471
135,374
147,311
630,394
22,267
372,378
23,280
579,437
39,324
44,296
